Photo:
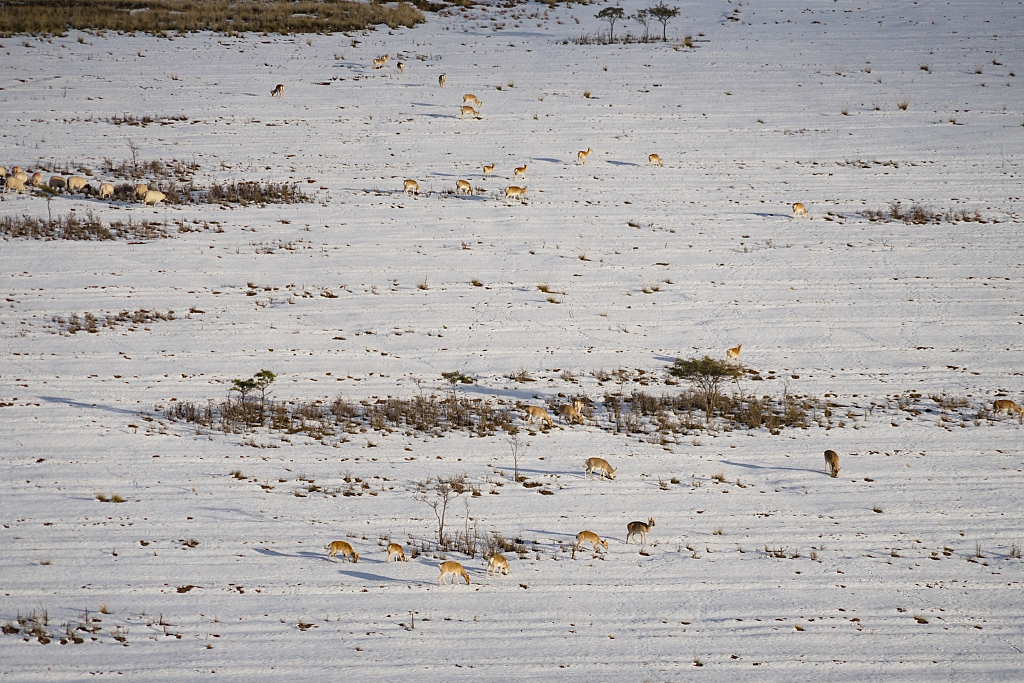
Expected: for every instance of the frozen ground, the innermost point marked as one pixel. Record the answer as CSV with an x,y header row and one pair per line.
x,y
905,566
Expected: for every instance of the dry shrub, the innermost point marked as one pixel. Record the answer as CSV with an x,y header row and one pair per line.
x,y
79,228
55,17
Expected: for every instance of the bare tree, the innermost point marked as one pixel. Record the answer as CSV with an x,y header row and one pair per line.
x,y
514,444
663,13
438,493
644,18
611,15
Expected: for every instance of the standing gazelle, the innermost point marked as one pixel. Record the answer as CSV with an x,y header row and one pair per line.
x,y
466,99
581,156
441,79
463,187
799,210
832,461
639,529
733,354
654,159
473,113
521,171
488,170
497,564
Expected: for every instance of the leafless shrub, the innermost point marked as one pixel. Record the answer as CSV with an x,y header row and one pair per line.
x,y
80,228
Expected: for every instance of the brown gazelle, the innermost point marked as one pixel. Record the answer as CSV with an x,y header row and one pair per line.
x,y
654,159
599,465
488,170
590,537
396,551
466,99
570,414
515,191
521,171
341,547
441,79
581,156
832,461
1008,406
453,569
473,113
401,67
278,90
379,63
463,187
538,413
733,354
639,529
412,187
497,564
799,210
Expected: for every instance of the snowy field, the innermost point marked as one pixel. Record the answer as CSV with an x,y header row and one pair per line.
x,y
760,566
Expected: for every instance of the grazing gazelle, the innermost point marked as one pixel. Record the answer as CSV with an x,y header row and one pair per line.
x,y
412,187
278,90
453,569
341,547
473,113
466,99
590,537
396,551
639,529
1008,406
832,460
517,192
581,156
463,187
733,354
799,210
488,170
441,79
654,159
497,564
599,465
521,171
569,413
536,412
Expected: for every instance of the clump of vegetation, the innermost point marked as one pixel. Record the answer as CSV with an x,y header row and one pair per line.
x,y
920,214
251,192
706,375
55,17
92,323
80,228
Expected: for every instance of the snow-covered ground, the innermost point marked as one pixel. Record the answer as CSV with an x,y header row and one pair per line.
x,y
760,567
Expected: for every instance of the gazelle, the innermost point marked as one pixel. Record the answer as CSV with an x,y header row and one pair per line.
x,y
1008,406
570,414
733,354
412,188
453,569
590,537
538,413
497,564
401,67
599,465
654,159
639,529
278,90
379,63
521,171
463,187
441,79
341,547
140,190
832,461
469,110
517,192
488,170
106,191
466,99
581,157
799,210
396,551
